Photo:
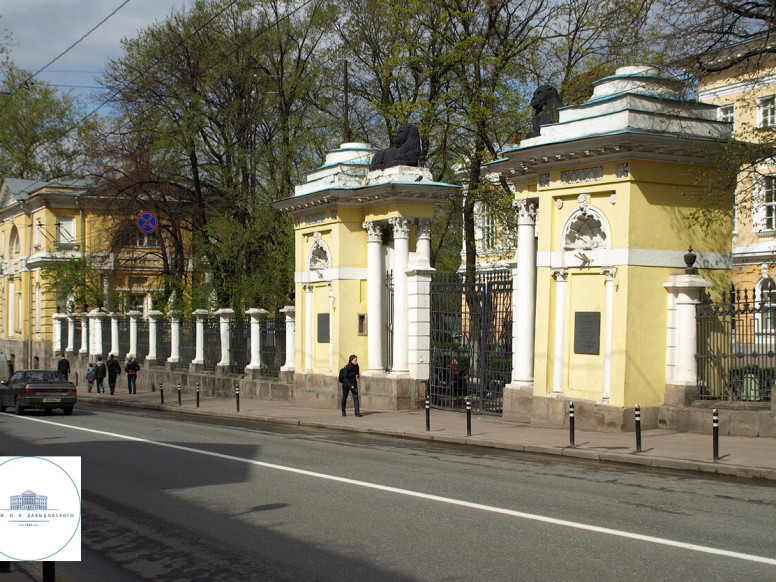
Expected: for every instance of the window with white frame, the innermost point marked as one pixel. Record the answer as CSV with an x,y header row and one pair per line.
x,y
65,229
727,113
145,240
489,226
767,305
766,111
764,203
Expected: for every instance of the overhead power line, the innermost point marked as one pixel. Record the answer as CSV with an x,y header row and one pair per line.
x,y
63,53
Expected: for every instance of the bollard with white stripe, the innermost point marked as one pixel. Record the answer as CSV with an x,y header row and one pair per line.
x,y
197,394
428,413
161,391
179,393
638,428
237,396
571,424
715,433
468,417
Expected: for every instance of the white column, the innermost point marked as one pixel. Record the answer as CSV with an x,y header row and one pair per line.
x,y
84,334
419,305
524,293
199,351
255,313
308,325
561,325
175,337
114,334
133,315
401,236
608,314
70,332
290,312
374,286
423,244
224,318
153,317
56,345
683,367
95,340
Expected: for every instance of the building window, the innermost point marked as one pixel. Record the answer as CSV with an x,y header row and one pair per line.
x,y
767,305
362,327
766,111
65,229
727,113
145,240
489,226
768,203
13,243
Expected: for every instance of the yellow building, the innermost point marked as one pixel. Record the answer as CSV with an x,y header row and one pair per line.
x,y
746,96
42,223
605,200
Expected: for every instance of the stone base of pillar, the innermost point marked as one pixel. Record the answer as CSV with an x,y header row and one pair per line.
x,y
681,394
547,412
377,391
222,369
517,401
196,367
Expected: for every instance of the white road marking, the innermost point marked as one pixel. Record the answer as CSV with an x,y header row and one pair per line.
x,y
438,498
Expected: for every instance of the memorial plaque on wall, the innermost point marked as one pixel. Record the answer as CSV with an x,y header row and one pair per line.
x,y
323,328
587,332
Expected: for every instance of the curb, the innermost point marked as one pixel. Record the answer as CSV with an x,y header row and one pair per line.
x,y
632,459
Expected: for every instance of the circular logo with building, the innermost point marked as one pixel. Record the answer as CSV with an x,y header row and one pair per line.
x,y
40,508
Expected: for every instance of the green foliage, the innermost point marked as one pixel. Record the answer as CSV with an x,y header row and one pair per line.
x,y
75,283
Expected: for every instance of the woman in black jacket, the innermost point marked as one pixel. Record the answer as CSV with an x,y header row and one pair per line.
x,y
350,383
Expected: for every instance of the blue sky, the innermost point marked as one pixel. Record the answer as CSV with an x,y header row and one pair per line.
x,y
42,29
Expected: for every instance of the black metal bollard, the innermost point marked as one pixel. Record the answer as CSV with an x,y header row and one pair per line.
x,y
197,394
638,428
468,417
428,413
571,424
49,571
179,393
237,396
715,432
161,391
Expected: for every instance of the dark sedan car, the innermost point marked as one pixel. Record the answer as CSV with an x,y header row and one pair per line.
x,y
41,389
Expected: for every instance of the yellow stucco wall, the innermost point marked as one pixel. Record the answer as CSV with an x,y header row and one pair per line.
x,y
646,211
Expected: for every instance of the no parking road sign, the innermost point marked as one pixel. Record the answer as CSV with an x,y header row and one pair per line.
x,y
146,222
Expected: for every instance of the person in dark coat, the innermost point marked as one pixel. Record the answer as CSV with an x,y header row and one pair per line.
x,y
114,369
99,375
132,368
350,384
63,367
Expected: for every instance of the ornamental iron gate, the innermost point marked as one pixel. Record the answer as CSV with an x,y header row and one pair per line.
x,y
737,345
471,342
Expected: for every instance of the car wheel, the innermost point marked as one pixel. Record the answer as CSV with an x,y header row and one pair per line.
x,y
68,410
17,405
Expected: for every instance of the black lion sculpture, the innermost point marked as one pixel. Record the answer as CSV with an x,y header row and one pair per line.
x,y
545,102
405,150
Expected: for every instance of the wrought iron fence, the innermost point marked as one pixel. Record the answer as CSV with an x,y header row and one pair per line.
x,y
105,322
188,341
388,322
123,336
272,331
212,343
736,347
77,335
142,340
163,341
239,344
471,341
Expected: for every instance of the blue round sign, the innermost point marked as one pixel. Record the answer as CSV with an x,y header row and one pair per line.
x,y
146,222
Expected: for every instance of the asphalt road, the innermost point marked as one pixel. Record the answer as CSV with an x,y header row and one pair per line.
x,y
172,498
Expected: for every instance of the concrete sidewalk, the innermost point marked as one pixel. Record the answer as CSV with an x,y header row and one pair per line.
x,y
747,457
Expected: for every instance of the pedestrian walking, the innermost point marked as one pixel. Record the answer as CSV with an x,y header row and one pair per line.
x,y
90,376
63,367
132,368
114,369
100,371
349,379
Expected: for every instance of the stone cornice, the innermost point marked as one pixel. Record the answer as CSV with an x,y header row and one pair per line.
x,y
365,196
519,164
